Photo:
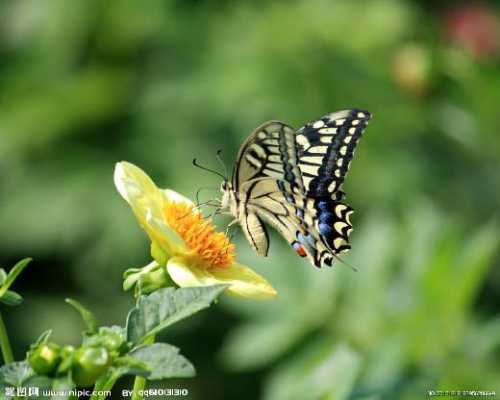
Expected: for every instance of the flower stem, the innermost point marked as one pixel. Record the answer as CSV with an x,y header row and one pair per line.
x,y
140,382
106,383
5,344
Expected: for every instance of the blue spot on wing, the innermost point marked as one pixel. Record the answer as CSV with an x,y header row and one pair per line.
x,y
326,217
326,230
323,205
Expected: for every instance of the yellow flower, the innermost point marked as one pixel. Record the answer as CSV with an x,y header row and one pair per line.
x,y
194,253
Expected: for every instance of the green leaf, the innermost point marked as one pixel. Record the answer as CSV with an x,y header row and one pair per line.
x,y
16,373
4,395
320,371
253,345
473,261
127,365
60,387
164,361
11,298
343,366
3,276
164,307
63,385
87,315
13,274
42,383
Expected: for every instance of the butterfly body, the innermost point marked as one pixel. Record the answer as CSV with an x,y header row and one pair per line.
x,y
291,179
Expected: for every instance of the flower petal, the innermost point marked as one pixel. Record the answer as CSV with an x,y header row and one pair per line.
x,y
146,201
176,197
242,280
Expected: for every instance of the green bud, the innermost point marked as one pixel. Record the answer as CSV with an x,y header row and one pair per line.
x,y
112,341
112,338
67,356
89,364
146,280
45,358
154,280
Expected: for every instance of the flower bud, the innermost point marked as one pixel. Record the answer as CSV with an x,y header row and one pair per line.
x,y
89,364
44,358
154,280
412,69
147,279
111,338
67,355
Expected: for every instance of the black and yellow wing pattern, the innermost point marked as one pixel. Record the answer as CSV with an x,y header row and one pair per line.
x,y
292,180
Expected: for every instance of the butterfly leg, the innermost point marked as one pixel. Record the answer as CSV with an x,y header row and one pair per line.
x,y
229,226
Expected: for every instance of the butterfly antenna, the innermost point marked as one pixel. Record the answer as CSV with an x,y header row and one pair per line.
x,y
204,188
212,202
198,197
221,162
211,215
198,194
196,164
197,207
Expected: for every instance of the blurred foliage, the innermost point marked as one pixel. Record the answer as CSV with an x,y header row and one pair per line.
x,y
88,83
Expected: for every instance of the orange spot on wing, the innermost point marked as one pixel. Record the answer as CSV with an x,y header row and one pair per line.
x,y
301,251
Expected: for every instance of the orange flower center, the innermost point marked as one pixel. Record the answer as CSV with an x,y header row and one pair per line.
x,y
199,234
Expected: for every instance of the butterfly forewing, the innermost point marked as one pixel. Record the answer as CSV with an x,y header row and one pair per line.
x,y
269,152
326,148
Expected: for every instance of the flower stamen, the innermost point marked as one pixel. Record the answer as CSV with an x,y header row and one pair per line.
x,y
199,234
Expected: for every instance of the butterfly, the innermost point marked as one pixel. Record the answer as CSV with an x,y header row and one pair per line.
x,y
291,179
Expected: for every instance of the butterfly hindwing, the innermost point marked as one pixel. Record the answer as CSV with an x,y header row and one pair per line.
x,y
267,200
333,224
256,233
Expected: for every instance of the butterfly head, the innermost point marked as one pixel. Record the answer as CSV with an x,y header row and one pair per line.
x,y
228,201
225,188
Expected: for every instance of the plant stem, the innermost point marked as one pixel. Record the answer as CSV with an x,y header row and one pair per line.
x,y
5,344
139,381
139,384
104,384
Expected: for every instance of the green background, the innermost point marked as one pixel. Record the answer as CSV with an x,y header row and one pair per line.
x,y
84,84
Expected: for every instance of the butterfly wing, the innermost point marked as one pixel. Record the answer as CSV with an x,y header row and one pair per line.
x,y
292,180
325,150
294,217
267,156
269,152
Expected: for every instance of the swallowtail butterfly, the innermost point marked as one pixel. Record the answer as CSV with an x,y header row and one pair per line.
x,y
291,179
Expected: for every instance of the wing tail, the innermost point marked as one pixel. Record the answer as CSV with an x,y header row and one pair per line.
x,y
256,234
